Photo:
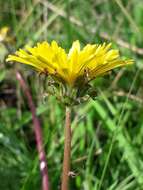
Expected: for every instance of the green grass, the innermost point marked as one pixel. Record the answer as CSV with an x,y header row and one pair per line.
x,y
107,139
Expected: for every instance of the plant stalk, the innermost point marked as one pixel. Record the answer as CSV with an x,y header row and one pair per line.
x,y
67,151
38,133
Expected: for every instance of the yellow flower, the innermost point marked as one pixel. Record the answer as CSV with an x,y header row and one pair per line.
x,y
4,35
87,63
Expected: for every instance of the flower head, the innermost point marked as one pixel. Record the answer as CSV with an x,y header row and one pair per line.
x,y
75,68
5,36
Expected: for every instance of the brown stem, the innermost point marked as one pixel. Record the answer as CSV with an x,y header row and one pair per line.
x,y
38,133
67,151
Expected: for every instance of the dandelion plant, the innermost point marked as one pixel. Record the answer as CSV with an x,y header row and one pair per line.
x,y
70,75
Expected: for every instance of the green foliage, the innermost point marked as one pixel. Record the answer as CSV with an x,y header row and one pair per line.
x,y
107,139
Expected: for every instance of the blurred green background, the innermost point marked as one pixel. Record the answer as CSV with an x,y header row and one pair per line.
x,y
107,144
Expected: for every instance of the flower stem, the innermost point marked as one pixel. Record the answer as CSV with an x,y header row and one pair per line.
x,y
38,133
67,151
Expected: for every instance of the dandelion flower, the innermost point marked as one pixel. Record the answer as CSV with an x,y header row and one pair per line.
x,y
5,36
75,68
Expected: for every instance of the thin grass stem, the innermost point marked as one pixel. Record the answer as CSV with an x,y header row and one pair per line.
x,y
38,133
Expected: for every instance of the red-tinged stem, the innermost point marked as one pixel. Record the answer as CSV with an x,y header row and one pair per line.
x,y
67,151
38,133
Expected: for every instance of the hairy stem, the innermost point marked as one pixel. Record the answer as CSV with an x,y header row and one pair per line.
x,y
38,133
67,151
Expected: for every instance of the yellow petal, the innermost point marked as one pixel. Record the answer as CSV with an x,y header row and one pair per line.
x,y
93,60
